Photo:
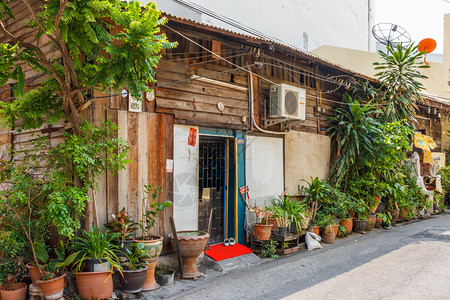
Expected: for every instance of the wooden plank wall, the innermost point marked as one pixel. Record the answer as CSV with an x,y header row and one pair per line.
x,y
195,102
302,75
150,137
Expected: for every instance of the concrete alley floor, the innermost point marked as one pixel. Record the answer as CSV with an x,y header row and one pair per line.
x,y
411,261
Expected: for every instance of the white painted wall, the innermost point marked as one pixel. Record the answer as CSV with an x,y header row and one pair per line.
x,y
185,180
306,24
306,155
264,168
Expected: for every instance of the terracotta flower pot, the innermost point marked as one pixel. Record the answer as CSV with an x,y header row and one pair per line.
x,y
329,237
348,224
336,230
53,288
306,223
394,213
133,280
94,285
374,208
351,213
14,291
154,247
378,223
263,232
371,223
192,244
274,223
403,213
316,230
35,274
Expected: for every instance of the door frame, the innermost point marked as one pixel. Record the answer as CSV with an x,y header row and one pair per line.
x,y
234,207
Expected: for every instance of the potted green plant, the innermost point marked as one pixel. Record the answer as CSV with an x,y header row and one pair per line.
x,y
385,219
134,271
95,263
153,244
9,289
316,193
329,234
53,280
262,226
361,213
296,213
123,224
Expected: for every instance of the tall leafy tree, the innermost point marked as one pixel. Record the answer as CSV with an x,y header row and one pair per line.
x,y
399,74
98,44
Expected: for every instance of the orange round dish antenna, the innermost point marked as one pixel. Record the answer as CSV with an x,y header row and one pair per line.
x,y
427,46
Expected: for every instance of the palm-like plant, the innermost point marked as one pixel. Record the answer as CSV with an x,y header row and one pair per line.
x,y
399,74
96,245
354,131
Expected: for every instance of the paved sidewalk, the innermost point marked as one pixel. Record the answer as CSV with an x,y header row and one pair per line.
x,y
371,266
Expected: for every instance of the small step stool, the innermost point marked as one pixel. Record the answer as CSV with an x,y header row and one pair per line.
x,y
36,293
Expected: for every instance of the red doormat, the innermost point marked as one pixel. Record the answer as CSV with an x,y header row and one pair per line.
x,y
220,252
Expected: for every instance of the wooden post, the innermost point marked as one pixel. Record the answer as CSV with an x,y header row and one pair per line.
x,y
177,245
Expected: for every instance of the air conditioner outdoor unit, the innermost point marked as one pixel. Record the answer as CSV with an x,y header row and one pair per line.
x,y
287,101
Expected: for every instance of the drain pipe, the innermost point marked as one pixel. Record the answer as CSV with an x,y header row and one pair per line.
x,y
252,100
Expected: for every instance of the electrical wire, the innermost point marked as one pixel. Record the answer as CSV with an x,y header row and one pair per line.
x,y
234,23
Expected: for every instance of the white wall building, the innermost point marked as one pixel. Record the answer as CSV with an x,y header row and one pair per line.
x,y
304,24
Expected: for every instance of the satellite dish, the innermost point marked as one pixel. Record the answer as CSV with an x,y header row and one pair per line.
x,y
390,34
427,46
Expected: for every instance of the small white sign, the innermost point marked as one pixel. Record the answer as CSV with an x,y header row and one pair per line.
x,y
169,165
134,105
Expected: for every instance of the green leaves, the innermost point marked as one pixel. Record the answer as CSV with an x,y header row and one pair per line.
x,y
41,252
399,75
354,130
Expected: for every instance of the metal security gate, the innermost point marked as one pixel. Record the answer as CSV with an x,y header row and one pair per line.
x,y
211,185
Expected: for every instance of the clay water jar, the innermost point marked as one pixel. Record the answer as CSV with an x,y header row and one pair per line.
x,y
263,232
94,285
14,291
53,288
191,245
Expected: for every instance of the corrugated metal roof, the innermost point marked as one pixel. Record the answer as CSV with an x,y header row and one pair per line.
x,y
258,40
